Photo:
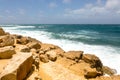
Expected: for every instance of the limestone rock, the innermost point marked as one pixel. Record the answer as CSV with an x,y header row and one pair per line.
x,y
2,32
65,62
6,40
46,47
55,71
18,67
52,55
74,55
92,73
34,45
59,51
25,49
44,58
6,52
93,60
109,71
22,40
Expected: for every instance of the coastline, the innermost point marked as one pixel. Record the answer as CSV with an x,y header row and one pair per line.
x,y
107,54
52,60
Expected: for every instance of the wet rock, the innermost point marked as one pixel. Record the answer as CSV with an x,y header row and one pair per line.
x,y
6,52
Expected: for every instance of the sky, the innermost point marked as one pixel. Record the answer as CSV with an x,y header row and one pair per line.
x,y
59,11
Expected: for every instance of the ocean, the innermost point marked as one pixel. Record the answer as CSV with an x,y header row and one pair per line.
x,y
102,40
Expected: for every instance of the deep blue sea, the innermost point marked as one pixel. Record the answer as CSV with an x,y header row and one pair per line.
x,y
102,40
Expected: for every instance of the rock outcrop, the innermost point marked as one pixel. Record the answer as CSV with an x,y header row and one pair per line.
x,y
51,55
2,32
6,52
93,60
18,67
107,70
74,55
6,40
30,59
34,45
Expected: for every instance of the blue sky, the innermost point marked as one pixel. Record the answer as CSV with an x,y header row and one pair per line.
x,y
60,11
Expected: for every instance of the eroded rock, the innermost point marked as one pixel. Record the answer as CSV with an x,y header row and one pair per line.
x,y
34,45
44,58
52,55
2,32
18,67
6,40
108,70
74,55
21,39
6,52
93,60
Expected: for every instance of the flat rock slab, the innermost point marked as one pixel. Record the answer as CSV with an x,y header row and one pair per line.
x,y
6,52
3,63
58,72
18,67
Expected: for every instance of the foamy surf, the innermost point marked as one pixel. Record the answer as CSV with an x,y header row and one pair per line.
x,y
108,54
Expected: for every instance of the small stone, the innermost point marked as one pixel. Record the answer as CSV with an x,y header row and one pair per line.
x,y
52,55
44,58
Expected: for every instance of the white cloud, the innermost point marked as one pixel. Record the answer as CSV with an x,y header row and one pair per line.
x,y
110,8
113,4
52,5
66,1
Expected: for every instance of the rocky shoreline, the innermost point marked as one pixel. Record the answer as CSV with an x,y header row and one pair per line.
x,y
25,58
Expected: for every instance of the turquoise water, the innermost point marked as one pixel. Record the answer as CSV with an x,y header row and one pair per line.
x,y
101,40
89,34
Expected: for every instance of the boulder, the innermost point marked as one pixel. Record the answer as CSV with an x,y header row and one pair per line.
x,y
93,60
6,40
44,58
65,62
52,55
91,73
74,55
18,67
59,51
108,70
22,48
2,32
25,49
34,45
46,47
6,52
22,40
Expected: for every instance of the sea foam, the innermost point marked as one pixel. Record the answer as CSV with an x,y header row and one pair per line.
x,y
109,55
